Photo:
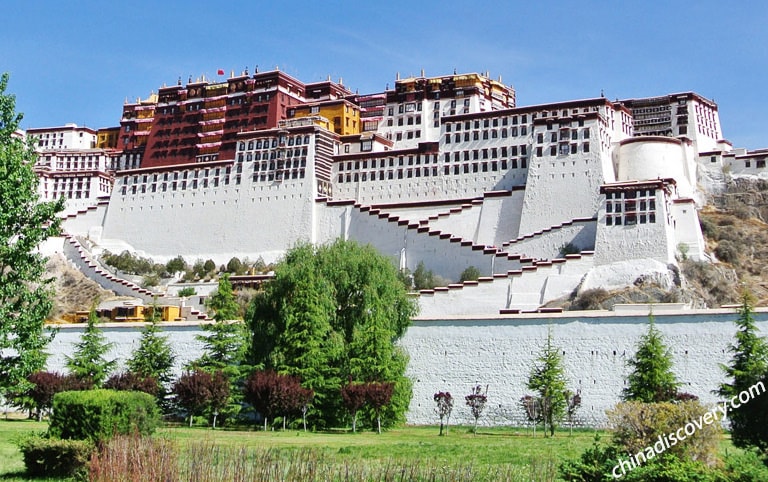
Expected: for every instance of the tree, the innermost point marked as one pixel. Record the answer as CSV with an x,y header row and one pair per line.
x,y
193,392
235,266
220,394
176,265
532,408
378,395
88,360
333,312
261,391
209,266
444,402
44,385
353,398
469,274
572,403
748,366
25,222
547,378
651,379
476,401
222,301
154,357
423,279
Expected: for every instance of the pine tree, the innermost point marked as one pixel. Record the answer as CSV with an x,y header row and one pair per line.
x,y
651,379
154,357
222,301
748,366
25,222
548,379
88,361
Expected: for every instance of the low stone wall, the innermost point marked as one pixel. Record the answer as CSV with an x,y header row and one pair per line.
x,y
499,352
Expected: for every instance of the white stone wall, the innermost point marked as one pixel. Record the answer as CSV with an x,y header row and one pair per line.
x,y
498,352
562,187
548,244
251,219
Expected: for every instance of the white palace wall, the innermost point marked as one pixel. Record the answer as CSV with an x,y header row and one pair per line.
x,y
250,219
459,353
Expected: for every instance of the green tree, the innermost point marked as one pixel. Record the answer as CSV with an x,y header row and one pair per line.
x,y
547,378
88,361
235,266
222,302
25,222
176,264
334,312
154,357
423,279
651,379
748,366
209,266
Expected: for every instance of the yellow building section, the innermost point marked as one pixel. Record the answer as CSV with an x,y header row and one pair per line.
x,y
126,312
343,117
107,138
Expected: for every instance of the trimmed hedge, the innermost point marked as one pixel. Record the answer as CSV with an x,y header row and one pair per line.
x,y
49,457
97,415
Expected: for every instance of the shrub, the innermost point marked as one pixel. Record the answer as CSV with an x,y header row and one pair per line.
x,y
639,425
50,457
726,251
590,299
595,464
469,274
709,228
745,467
568,248
129,381
186,292
97,415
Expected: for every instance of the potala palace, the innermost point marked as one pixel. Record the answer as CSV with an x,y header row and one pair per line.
x,y
446,170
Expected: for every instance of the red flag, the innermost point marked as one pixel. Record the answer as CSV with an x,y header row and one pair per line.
x,y
220,72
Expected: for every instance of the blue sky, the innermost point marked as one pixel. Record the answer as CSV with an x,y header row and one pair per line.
x,y
78,61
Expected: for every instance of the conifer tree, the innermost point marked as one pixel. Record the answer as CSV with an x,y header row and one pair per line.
x,y
548,379
748,366
88,360
651,379
154,357
25,222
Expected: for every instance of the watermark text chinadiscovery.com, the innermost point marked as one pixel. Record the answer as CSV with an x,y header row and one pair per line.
x,y
671,439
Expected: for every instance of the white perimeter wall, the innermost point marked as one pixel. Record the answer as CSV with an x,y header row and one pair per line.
x,y
456,354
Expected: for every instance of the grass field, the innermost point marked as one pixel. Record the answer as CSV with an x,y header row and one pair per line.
x,y
508,451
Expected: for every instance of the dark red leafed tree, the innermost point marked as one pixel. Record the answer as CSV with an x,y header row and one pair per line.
x,y
193,392
353,397
44,386
47,384
378,395
131,381
260,391
444,402
476,403
219,389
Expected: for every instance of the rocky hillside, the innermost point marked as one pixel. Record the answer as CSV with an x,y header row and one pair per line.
x,y
73,290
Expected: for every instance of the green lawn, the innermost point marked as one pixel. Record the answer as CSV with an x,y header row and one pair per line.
x,y
409,444
506,450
